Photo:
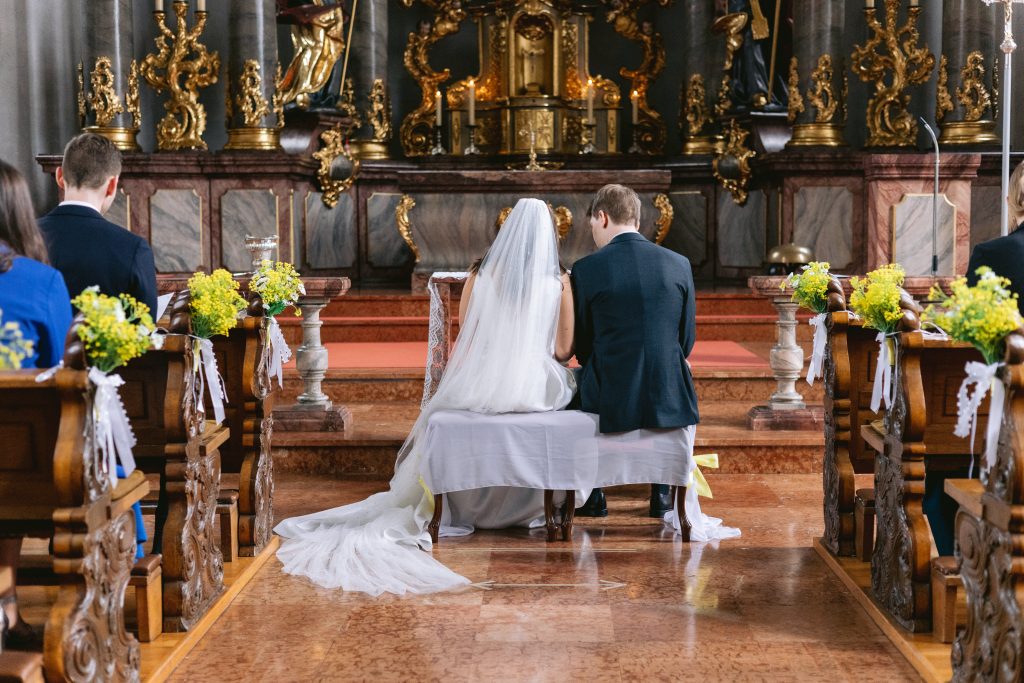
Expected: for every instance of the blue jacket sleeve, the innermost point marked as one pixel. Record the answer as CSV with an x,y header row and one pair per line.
x,y
688,320
57,323
584,334
144,277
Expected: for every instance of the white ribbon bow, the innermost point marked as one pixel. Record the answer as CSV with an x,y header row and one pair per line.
x,y
211,379
883,375
980,377
279,351
113,430
818,350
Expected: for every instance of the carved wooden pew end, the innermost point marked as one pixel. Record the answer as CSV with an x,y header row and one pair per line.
x,y
147,580
945,584
21,667
864,524
227,513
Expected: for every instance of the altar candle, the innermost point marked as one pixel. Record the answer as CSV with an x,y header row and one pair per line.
x,y
870,4
159,5
200,5
437,106
913,3
636,106
590,100
472,102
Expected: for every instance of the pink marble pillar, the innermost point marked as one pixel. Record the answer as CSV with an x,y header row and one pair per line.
x,y
889,177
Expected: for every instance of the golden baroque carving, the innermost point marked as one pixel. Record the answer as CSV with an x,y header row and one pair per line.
x,y
972,93
277,101
697,114
132,96
333,140
899,64
347,104
187,66
318,45
405,205
416,130
575,88
735,180
665,215
104,100
732,26
250,100
822,96
80,99
623,18
563,220
943,102
796,100
379,113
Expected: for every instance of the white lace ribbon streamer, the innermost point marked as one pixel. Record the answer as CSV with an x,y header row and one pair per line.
x,y
435,331
818,349
280,353
980,378
883,375
212,380
113,429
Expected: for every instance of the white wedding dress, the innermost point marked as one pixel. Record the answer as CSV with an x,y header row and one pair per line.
x,y
503,363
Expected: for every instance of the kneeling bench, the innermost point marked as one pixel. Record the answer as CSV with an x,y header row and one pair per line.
x,y
552,451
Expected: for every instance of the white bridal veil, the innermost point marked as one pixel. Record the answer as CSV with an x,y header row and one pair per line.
x,y
503,362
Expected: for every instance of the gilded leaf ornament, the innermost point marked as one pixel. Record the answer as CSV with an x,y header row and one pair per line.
x,y
821,96
104,100
943,102
972,93
251,103
796,100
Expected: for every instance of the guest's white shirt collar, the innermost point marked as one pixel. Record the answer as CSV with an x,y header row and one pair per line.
x,y
71,202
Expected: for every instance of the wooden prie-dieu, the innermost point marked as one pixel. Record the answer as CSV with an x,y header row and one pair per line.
x,y
56,485
161,396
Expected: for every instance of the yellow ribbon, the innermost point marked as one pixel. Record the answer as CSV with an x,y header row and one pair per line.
x,y
706,460
430,496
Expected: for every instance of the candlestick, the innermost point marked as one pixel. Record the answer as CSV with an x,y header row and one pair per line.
x,y
472,102
590,100
635,97
438,147
437,108
472,149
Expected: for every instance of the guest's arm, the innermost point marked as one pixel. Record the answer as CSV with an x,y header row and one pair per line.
x,y
564,339
143,285
56,325
583,334
688,320
467,291
978,259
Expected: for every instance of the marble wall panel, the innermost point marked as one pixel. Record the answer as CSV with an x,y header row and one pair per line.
x,y
912,234
986,209
387,249
742,234
823,221
689,233
120,211
331,238
242,213
176,229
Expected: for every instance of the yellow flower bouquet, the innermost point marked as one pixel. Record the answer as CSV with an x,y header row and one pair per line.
x,y
810,286
114,329
981,315
14,348
215,303
876,298
278,285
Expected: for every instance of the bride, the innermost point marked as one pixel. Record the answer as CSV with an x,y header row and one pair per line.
x,y
516,331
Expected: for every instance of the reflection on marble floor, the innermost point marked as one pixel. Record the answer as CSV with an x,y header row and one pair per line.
x,y
625,602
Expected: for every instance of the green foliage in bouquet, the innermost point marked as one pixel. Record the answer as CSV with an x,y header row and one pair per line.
x,y
876,298
114,329
810,286
14,348
981,315
215,303
278,285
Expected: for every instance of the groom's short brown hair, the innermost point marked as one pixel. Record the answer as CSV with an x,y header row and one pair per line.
x,y
621,204
89,159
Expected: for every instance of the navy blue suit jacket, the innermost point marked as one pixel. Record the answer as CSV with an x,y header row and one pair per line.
x,y
1005,256
635,326
90,250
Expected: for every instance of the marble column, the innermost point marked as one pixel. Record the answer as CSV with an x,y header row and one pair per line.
x,y
703,56
965,101
368,69
108,80
252,113
817,75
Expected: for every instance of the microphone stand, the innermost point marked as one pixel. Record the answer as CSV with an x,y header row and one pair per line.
x,y
935,202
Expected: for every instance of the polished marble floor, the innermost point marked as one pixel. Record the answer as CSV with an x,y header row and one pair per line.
x,y
626,601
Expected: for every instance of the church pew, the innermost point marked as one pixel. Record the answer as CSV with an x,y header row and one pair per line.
x,y
848,371
175,441
918,439
990,546
55,485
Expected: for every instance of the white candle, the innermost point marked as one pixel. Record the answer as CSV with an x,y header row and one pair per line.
x,y
590,100
200,5
159,5
636,106
913,3
870,4
472,102
437,106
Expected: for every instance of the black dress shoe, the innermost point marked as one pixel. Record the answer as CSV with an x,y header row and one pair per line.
x,y
661,500
596,505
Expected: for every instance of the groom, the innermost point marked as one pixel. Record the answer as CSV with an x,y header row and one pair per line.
x,y
635,327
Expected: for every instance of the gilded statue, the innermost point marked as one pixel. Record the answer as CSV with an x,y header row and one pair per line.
x,y
319,40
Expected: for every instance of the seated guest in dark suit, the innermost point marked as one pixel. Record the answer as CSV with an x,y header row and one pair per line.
x,y
85,247
1005,255
33,295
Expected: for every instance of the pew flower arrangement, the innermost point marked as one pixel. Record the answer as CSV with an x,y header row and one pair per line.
x,y
810,290
279,286
14,348
982,315
215,305
876,300
114,330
